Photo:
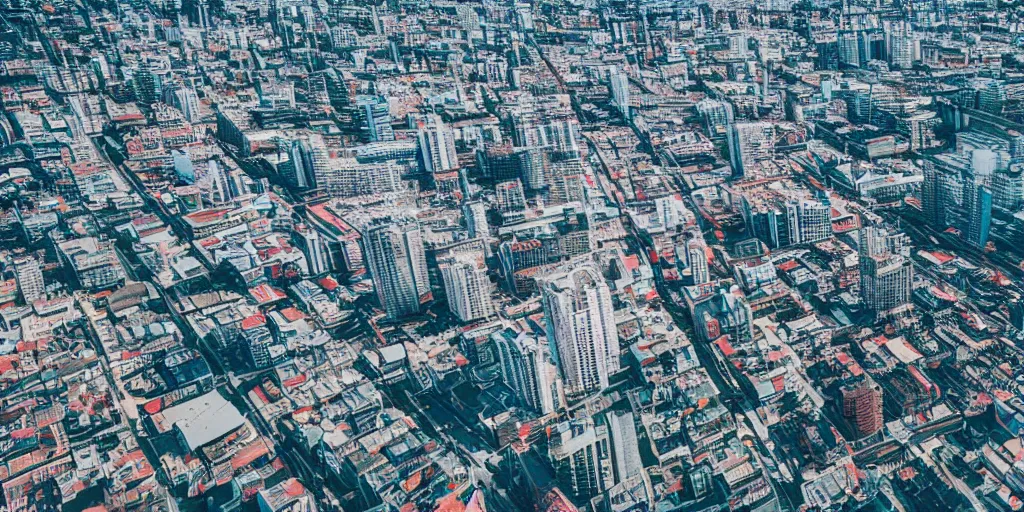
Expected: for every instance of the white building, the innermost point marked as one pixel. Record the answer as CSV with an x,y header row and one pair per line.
x,y
625,449
526,368
437,146
475,213
467,287
581,322
313,247
750,143
620,92
697,262
346,177
395,258
810,221
30,279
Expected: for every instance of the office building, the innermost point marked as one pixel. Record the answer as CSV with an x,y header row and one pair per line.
x,y
620,92
308,162
375,118
437,146
579,453
526,368
886,271
393,249
933,196
749,143
978,206
581,322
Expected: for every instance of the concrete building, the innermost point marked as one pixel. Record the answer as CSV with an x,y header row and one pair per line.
x,y
749,143
437,146
313,247
393,249
580,321
811,221
625,449
93,262
527,369
467,287
620,92
697,262
30,279
347,177
579,453
886,271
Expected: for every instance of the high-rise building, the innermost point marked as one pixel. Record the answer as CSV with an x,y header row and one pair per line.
x,y
716,115
148,84
313,247
933,203
902,44
625,449
849,49
184,99
991,96
579,453
467,287
504,163
697,262
1008,188
475,213
749,143
510,196
527,369
29,276
393,249
862,407
581,322
978,204
620,92
375,116
810,221
437,146
886,271
216,183
565,181
307,162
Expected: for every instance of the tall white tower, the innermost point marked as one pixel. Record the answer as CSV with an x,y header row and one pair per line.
x,y
581,322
